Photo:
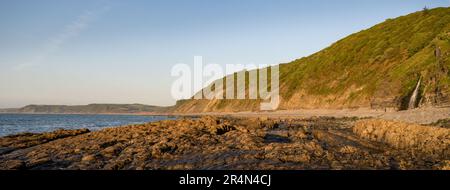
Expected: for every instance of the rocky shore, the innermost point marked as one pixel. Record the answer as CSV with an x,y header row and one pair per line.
x,y
235,143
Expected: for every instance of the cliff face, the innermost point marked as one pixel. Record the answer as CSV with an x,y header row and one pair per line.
x,y
378,68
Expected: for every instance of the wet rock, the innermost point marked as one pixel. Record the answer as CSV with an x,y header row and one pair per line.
x,y
274,138
4,150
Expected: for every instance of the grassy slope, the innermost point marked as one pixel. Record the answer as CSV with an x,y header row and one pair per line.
x,y
377,67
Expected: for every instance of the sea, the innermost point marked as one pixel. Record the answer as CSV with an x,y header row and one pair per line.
x,y
37,123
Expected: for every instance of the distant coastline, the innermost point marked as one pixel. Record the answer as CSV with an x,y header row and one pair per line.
x,y
137,114
91,109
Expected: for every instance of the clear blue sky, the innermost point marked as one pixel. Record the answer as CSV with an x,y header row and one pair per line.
x,y
113,51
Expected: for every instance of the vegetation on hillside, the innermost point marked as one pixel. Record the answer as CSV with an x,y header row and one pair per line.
x,y
378,67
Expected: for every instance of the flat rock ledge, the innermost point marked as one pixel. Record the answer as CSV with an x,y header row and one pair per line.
x,y
234,143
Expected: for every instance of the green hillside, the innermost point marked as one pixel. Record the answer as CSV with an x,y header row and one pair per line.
x,y
378,68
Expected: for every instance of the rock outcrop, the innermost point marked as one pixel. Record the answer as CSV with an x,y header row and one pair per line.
x,y
425,139
230,143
